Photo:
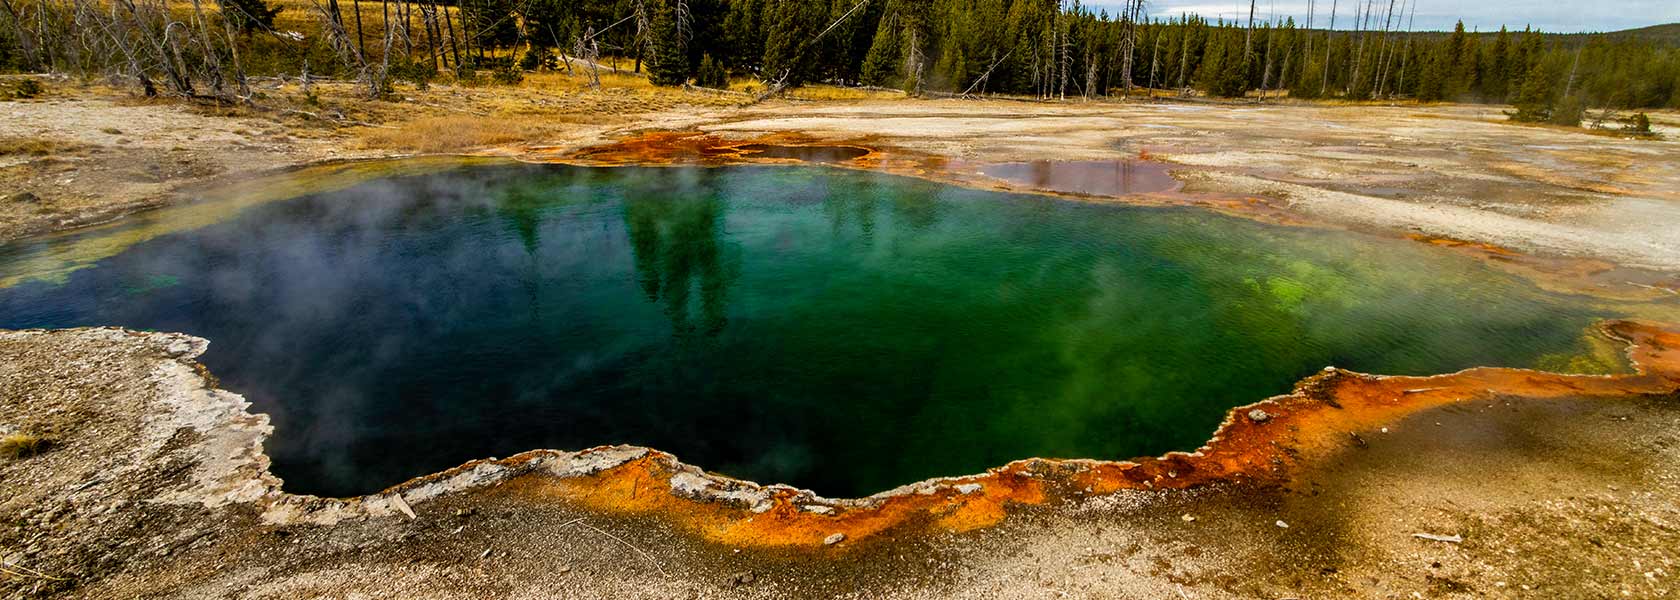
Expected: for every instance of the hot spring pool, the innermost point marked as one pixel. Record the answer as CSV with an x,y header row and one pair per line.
x,y
832,329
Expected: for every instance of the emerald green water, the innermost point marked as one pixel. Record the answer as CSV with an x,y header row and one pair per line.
x,y
832,329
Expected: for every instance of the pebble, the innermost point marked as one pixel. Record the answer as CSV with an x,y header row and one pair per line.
x,y
1282,524
834,539
1259,416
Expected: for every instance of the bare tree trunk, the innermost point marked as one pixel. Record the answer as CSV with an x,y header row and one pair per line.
x,y
1248,40
450,23
1400,88
1266,70
428,20
407,11
1359,56
1569,86
1155,61
377,82
1383,53
1183,61
244,88
210,55
338,37
361,41
1311,5
1325,69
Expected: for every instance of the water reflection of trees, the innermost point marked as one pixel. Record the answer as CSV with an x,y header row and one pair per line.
x,y
674,236
863,197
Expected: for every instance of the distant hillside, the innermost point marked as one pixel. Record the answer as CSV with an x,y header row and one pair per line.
x,y
1669,33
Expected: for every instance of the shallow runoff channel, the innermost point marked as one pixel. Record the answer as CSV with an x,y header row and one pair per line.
x,y
833,329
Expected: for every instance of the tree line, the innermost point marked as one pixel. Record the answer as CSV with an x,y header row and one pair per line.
x,y
1345,49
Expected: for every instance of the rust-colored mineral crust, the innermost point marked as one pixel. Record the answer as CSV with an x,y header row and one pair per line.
x,y
1260,443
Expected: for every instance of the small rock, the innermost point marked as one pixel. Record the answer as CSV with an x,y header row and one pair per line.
x,y
1259,416
1187,518
968,488
1282,524
834,539
742,578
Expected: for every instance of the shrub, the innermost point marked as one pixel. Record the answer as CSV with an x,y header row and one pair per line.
x,y
417,73
1639,123
509,75
1568,112
23,445
28,88
712,74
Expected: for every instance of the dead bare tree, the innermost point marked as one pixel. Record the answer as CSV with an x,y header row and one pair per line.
x,y
1155,62
1325,68
162,51
1128,42
1266,69
1569,87
587,49
1383,52
454,49
1248,39
1359,55
1090,86
428,21
1062,46
361,40
1311,5
1400,87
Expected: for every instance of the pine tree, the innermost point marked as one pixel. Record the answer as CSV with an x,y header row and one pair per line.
x,y
249,15
886,54
1496,74
791,25
712,74
1534,99
667,63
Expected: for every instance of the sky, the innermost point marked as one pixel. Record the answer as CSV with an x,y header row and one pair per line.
x,y
1557,16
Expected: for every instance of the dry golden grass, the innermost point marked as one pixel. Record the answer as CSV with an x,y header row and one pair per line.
x,y
33,146
834,93
454,133
22,445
